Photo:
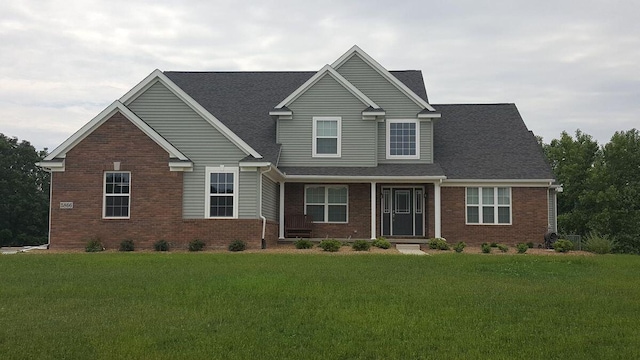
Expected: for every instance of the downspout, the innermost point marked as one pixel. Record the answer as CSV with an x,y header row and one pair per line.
x,y
50,206
264,219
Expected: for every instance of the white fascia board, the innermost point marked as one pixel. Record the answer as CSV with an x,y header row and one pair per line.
x,y
280,113
254,163
382,71
158,75
54,166
352,179
498,182
272,172
336,76
88,128
180,166
374,113
429,116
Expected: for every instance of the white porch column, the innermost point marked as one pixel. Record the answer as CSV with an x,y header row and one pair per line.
x,y
437,212
373,210
281,222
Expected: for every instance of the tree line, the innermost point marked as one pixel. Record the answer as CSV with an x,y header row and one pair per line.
x,y
601,189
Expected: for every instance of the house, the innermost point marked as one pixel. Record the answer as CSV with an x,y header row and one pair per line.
x,y
221,156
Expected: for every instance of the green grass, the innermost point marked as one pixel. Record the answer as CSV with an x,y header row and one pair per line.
x,y
279,306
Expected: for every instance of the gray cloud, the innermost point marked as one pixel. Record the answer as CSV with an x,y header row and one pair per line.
x,y
566,65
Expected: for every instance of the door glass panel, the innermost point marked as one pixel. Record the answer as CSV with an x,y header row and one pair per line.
x,y
386,201
403,202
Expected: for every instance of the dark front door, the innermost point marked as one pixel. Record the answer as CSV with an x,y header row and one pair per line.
x,y
402,212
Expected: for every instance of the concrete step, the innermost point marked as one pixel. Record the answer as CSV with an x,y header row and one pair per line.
x,y
412,249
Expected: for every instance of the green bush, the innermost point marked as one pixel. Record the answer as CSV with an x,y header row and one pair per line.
x,y
303,244
94,245
522,248
599,244
530,244
486,248
459,247
503,248
361,245
331,245
381,243
563,245
126,245
161,245
237,245
196,245
494,245
438,243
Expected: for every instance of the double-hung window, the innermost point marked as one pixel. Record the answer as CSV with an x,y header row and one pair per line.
x,y
327,135
117,194
403,139
326,203
488,205
221,192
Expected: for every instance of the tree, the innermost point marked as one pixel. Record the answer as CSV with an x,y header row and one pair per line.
x,y
24,194
572,161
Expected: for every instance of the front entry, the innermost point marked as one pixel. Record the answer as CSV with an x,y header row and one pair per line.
x,y
402,211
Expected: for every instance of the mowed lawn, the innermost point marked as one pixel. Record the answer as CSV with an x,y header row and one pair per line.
x,y
318,306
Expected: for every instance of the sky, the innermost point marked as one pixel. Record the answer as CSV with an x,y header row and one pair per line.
x,y
567,65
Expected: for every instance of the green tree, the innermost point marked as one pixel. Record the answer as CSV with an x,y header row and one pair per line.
x,y
24,194
573,162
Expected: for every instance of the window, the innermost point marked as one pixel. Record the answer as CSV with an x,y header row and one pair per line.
x,y
403,139
489,205
117,194
326,203
222,192
327,136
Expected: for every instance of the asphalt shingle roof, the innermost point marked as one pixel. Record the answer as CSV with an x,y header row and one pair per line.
x,y
471,141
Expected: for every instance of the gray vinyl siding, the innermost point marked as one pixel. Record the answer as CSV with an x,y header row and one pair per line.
x,y
553,221
327,98
377,88
270,199
198,140
248,195
395,103
426,144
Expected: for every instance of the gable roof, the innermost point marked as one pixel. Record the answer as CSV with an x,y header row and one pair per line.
x,y
487,141
88,128
158,75
356,51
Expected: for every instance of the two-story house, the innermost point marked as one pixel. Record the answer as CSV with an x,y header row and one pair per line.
x,y
221,156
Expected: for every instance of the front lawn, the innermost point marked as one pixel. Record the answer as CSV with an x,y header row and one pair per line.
x,y
315,306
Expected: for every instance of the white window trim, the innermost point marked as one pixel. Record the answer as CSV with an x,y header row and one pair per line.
x,y
236,181
314,131
388,139
326,202
495,205
105,195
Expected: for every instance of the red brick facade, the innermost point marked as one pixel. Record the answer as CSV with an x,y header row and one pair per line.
x,y
156,197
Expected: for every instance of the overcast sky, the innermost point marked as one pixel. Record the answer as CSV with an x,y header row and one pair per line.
x,y
565,64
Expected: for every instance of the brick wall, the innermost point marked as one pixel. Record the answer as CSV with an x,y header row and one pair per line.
x,y
156,197
529,218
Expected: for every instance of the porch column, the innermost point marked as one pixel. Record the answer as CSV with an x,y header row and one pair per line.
x,y
373,210
281,222
437,212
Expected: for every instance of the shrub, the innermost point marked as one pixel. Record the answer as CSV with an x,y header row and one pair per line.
x,y
94,245
237,245
503,248
381,243
196,245
459,247
598,244
346,243
361,245
126,245
563,245
331,245
303,244
494,245
438,243
522,248
530,244
486,248
161,245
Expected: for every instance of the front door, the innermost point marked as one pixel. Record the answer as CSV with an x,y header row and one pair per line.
x,y
402,211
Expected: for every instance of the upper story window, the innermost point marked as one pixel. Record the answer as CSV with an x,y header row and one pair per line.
x,y
327,133
489,205
221,192
117,193
403,139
